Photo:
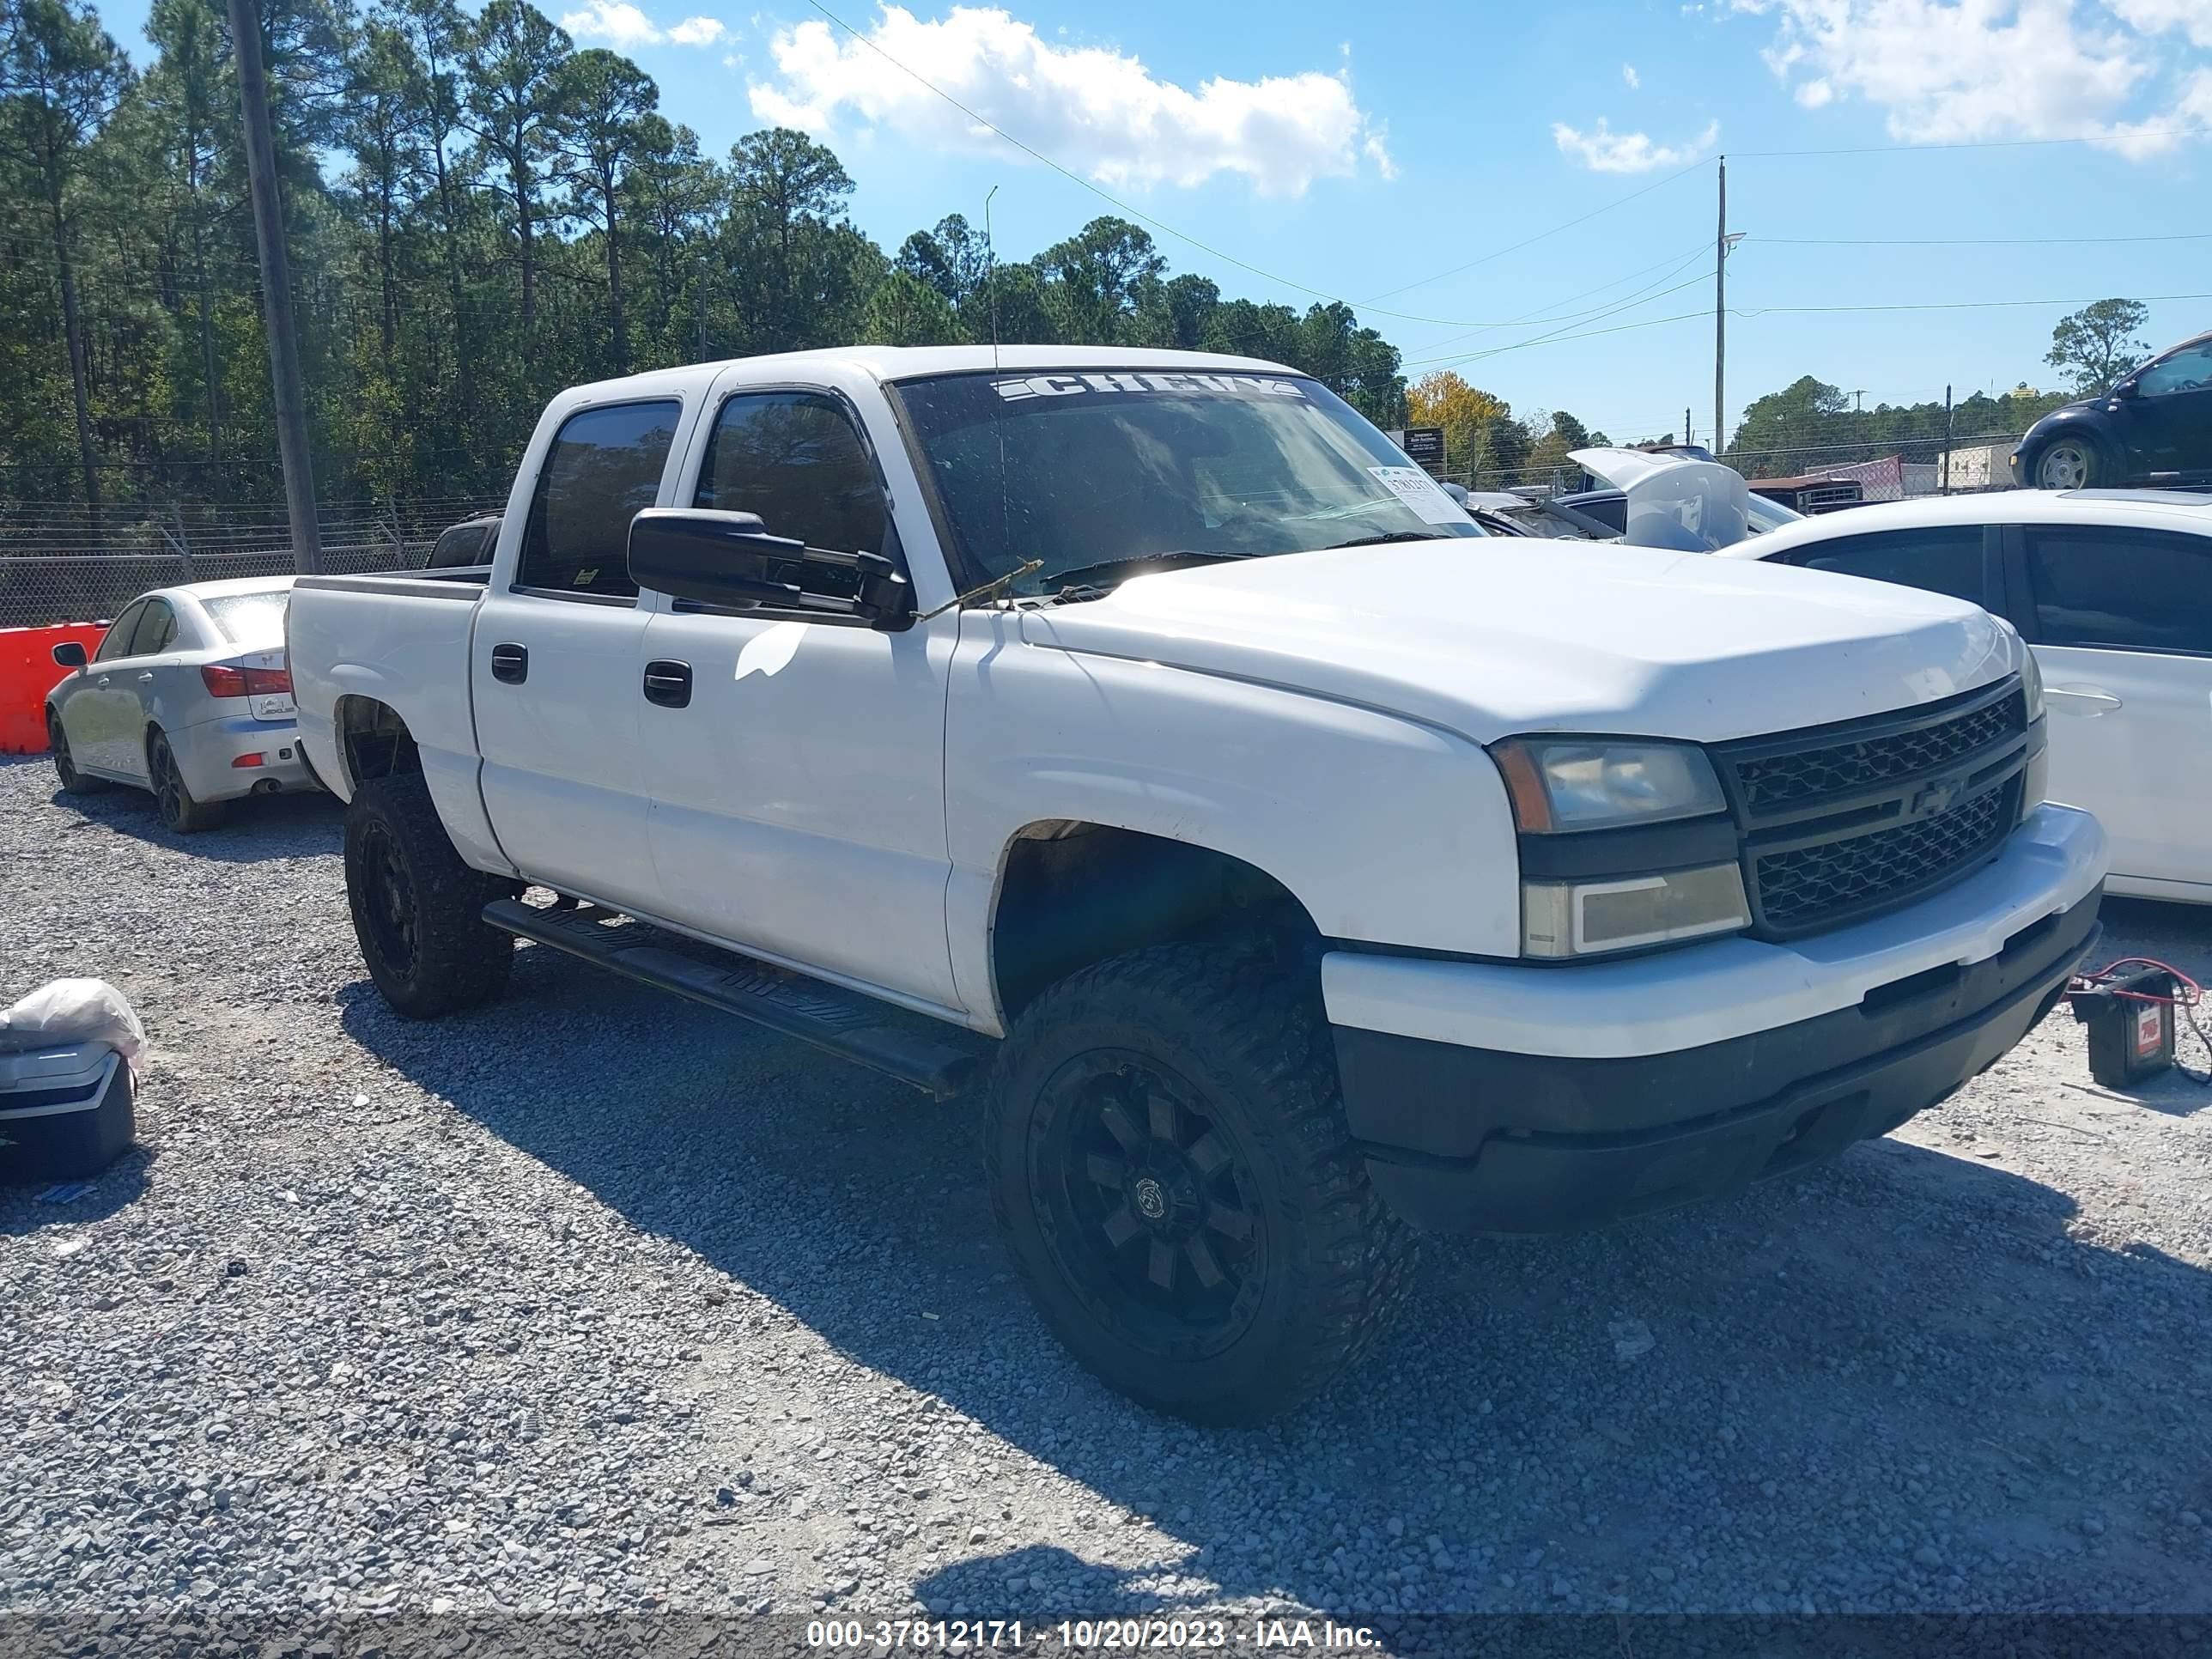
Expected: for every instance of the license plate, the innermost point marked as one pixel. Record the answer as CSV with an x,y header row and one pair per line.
x,y
275,706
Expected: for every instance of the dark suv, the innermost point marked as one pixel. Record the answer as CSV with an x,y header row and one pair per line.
x,y
2153,426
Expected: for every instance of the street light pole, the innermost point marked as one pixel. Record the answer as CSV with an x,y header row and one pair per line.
x,y
289,401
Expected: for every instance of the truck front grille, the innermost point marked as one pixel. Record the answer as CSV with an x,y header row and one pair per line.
x,y
1842,822
1803,888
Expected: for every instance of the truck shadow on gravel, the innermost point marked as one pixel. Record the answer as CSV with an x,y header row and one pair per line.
x,y
1895,1382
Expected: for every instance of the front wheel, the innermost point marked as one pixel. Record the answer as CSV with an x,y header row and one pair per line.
x,y
73,782
1170,1164
417,908
2069,464
178,810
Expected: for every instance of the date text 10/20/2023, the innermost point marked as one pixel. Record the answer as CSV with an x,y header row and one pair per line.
x,y
1087,1635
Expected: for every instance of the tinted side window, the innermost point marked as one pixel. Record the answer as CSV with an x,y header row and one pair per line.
x,y
604,467
116,642
156,629
793,459
2138,589
2187,370
1941,561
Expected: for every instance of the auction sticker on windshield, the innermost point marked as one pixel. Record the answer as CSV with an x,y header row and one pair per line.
x,y
1419,491
1070,385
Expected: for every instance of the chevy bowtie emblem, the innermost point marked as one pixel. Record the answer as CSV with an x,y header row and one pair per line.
x,y
1935,797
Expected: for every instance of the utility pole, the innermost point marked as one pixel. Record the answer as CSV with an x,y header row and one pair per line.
x,y
1858,401
289,401
1688,436
1720,312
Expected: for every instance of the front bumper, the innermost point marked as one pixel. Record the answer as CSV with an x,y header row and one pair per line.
x,y
1576,1120
206,750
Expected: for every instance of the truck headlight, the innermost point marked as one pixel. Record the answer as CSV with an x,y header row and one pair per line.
x,y
2031,682
1583,918
1594,783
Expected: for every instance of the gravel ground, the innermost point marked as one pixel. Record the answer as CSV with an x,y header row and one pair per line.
x,y
594,1300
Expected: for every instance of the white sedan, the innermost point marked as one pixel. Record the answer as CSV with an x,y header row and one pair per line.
x,y
2112,589
189,695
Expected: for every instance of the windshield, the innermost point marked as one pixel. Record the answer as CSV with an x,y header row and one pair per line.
x,y
255,619
1109,465
1762,515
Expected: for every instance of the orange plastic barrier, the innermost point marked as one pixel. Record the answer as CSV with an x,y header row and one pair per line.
x,y
27,673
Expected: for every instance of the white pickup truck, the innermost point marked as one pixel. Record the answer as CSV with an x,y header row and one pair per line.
x,y
1139,736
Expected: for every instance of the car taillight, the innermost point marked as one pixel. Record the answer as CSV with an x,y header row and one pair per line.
x,y
224,680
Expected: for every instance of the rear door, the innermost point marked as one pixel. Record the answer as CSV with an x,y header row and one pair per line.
x,y
124,688
553,661
2121,624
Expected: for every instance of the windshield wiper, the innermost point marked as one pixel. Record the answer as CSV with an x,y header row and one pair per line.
x,y
1082,575
1387,536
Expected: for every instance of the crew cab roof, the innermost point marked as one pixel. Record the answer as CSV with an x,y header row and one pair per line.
x,y
892,363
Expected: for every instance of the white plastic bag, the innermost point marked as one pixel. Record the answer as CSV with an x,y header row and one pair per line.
x,y
73,1011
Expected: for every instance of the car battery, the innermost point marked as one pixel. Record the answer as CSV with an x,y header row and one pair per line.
x,y
2131,1020
65,1111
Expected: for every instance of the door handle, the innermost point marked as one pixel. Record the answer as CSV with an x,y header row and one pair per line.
x,y
510,664
146,677
103,679
2089,701
668,684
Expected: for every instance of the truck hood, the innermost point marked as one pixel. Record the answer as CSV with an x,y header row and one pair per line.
x,y
1487,638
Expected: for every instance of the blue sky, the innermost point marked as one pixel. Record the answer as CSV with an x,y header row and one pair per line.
x,y
1362,151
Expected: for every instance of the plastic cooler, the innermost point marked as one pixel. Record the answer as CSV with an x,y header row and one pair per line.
x,y
65,1111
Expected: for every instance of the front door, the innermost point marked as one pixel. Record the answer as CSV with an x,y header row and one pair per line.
x,y
2123,620
2170,416
105,720
797,790
553,666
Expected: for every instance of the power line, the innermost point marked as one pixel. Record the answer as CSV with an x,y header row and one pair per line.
x,y
1674,261
1108,196
1540,235
1973,241
1947,304
1984,144
1557,334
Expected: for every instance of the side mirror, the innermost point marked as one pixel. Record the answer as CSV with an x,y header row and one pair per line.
x,y
70,653
711,558
2125,389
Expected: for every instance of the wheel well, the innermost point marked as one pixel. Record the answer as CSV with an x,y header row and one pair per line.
x,y
373,742
1071,893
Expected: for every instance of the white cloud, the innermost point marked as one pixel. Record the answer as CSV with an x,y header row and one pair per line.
x,y
1952,71
625,29
1603,151
1098,110
1628,74
2192,17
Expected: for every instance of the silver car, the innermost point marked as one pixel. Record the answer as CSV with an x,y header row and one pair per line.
x,y
189,695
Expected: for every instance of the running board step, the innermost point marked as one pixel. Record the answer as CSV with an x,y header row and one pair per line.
x,y
939,1060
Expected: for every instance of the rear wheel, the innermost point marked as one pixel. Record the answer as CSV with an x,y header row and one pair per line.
x,y
1168,1161
73,782
418,907
178,810
2069,464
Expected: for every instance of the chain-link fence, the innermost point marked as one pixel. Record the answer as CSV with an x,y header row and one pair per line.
x,y
1888,471
58,564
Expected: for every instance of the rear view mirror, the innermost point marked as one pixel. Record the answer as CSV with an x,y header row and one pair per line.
x,y
711,557
70,653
